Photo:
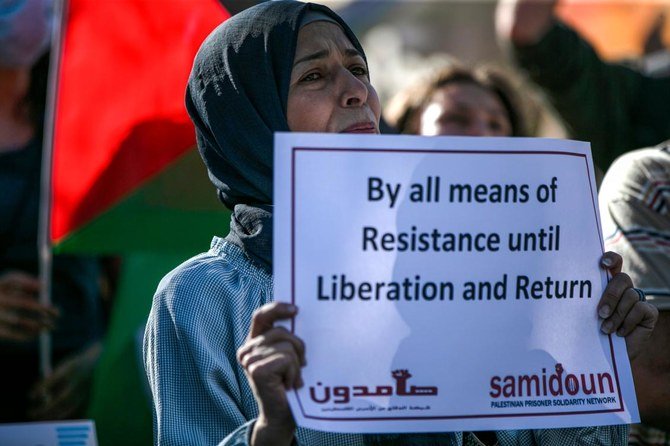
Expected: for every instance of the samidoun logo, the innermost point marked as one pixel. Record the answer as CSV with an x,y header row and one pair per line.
x,y
556,384
342,394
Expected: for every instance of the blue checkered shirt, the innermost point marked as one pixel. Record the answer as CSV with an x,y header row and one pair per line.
x,y
200,317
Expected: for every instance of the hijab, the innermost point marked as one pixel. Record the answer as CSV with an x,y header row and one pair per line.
x,y
237,97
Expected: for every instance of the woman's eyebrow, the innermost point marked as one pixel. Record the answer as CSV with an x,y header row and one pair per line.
x,y
350,52
318,55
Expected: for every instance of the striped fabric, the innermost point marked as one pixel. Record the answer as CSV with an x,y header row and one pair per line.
x,y
634,209
634,201
642,239
655,195
200,316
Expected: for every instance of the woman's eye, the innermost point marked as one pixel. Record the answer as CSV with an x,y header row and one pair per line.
x,y
311,77
359,70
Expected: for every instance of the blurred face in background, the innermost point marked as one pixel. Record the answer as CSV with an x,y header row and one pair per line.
x,y
463,108
25,31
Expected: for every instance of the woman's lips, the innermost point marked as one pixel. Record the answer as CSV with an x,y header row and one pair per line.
x,y
361,127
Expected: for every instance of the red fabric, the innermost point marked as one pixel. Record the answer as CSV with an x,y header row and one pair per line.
x,y
120,115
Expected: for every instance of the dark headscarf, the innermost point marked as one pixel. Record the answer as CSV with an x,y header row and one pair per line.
x,y
238,92
237,97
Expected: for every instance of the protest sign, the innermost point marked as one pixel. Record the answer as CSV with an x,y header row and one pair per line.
x,y
445,284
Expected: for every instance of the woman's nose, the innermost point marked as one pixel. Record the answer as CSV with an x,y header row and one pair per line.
x,y
354,92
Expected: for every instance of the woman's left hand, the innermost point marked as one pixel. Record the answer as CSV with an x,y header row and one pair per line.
x,y
622,310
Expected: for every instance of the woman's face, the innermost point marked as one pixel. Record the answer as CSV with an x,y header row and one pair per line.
x,y
465,109
330,89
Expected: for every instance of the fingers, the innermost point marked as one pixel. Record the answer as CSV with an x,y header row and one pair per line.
x,y
276,367
616,305
10,334
623,313
273,336
21,325
286,350
61,402
272,359
64,394
22,319
638,327
621,309
642,316
27,305
265,317
613,294
18,291
612,262
18,281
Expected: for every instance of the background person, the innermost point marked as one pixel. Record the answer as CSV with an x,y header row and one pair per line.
x,y
457,100
634,202
75,319
614,107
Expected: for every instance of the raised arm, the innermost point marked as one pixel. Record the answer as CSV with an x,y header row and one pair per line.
x,y
524,22
612,106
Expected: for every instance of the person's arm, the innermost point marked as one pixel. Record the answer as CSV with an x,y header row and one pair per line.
x,y
200,394
611,106
524,22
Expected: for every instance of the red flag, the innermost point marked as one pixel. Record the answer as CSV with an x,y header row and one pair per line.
x,y
119,115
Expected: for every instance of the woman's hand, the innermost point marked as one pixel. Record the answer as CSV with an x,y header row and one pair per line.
x,y
622,310
22,318
272,358
66,393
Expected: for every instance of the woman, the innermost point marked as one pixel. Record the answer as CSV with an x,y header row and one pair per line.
x,y
459,101
217,365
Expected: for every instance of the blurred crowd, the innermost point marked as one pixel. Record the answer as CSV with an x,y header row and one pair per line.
x,y
621,108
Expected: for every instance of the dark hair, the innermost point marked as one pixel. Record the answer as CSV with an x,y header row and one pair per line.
x,y
404,110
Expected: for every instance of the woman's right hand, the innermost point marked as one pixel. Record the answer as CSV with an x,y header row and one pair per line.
x,y
272,358
22,318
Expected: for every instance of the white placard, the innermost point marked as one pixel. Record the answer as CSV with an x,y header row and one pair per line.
x,y
445,284
52,433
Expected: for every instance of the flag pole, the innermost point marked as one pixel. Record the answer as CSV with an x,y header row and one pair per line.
x,y
43,236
